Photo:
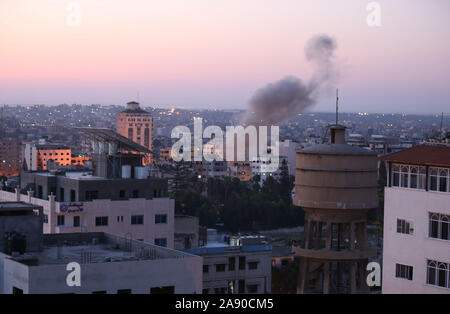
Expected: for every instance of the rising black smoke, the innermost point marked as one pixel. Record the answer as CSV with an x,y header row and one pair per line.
x,y
281,100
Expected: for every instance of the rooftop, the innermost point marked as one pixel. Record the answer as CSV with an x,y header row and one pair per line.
x,y
17,207
225,249
94,247
336,149
426,155
108,135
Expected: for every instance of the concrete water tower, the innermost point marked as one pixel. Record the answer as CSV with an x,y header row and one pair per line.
x,y
336,185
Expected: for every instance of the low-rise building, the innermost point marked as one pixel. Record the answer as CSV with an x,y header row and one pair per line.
x,y
235,269
33,263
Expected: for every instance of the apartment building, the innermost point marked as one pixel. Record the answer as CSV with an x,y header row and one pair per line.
x,y
235,269
36,263
416,255
80,202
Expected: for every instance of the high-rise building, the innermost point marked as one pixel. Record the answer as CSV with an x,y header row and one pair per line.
x,y
137,125
336,185
416,249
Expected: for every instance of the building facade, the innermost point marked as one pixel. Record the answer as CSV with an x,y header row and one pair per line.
x,y
137,125
416,250
41,156
78,202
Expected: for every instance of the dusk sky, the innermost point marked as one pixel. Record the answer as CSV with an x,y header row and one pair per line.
x,y
217,53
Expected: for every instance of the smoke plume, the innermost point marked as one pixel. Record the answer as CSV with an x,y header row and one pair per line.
x,y
281,100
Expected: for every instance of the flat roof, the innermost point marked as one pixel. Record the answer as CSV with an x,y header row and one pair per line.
x,y
425,155
108,135
226,249
94,247
19,206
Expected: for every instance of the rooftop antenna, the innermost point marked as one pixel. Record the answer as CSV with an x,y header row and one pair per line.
x,y
442,121
337,104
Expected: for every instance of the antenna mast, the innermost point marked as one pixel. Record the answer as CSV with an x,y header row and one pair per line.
x,y
337,104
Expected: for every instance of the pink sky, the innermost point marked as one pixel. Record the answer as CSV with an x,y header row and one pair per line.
x,y
216,53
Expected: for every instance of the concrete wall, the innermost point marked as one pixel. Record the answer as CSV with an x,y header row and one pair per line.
x,y
412,250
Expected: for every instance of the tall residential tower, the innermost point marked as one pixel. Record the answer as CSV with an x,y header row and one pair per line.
x,y
137,125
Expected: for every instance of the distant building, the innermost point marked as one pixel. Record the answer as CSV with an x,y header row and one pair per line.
x,y
11,157
33,263
235,269
416,250
137,125
39,156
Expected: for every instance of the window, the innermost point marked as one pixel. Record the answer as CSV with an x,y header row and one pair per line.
x,y
101,221
439,226
231,263
60,220
252,288
72,195
222,290
160,219
205,268
241,262
253,265
205,291
405,176
439,180
241,286
403,271
438,274
46,219
161,242
76,221
137,220
404,226
122,194
135,193
91,195
61,194
220,267
124,291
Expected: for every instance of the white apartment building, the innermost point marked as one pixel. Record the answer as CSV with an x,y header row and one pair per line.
x,y
78,202
416,254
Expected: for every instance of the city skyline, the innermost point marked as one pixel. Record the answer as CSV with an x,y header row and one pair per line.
x,y
208,55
